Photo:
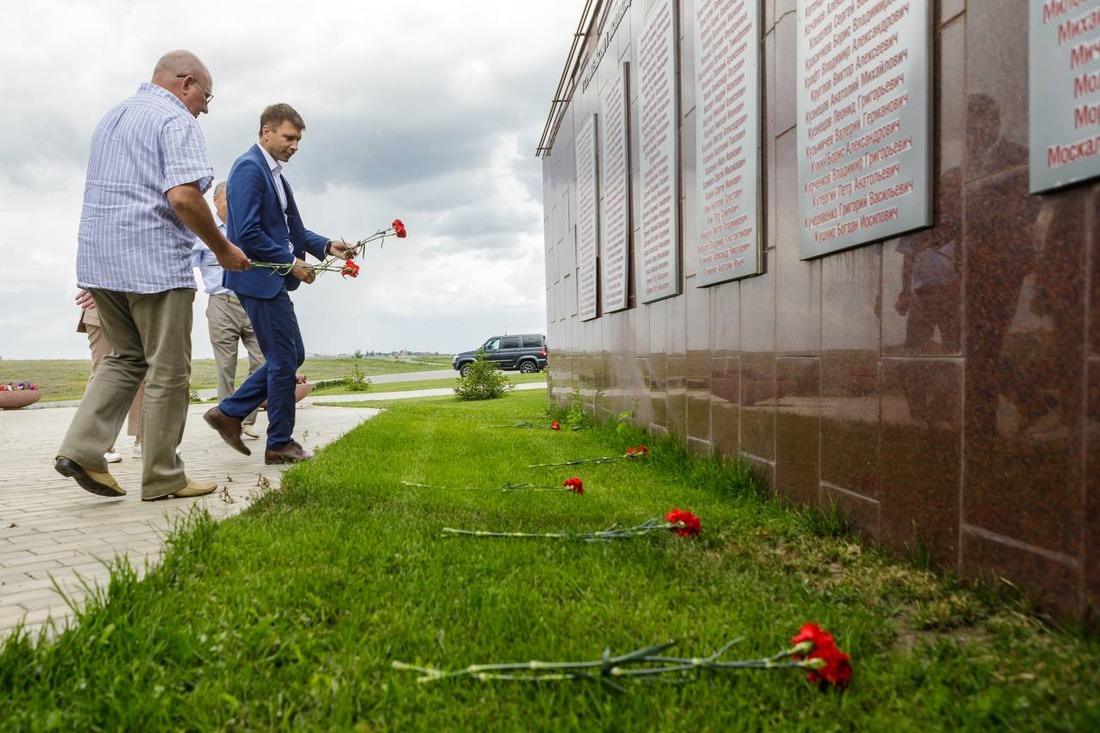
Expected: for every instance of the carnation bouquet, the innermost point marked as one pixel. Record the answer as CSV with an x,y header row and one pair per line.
x,y
813,650
346,267
682,523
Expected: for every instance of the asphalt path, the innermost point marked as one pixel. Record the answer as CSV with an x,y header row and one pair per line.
x,y
208,394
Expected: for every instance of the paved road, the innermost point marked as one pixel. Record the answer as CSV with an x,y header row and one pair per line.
x,y
209,394
54,535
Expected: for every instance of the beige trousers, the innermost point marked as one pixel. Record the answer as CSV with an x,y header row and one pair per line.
x,y
229,326
99,347
150,336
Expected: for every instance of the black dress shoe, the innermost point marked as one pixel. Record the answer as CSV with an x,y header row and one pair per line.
x,y
102,484
292,452
228,427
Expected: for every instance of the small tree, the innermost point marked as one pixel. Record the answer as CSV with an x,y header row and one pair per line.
x,y
483,381
356,381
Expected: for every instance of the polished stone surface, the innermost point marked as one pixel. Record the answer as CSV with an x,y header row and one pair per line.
x,y
941,387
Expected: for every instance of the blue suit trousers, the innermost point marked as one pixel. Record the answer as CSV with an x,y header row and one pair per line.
x,y
276,328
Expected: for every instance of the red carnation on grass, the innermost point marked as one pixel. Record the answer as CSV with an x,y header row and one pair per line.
x,y
350,269
684,523
399,229
837,667
575,485
555,425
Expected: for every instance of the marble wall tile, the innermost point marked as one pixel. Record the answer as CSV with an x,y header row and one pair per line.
x,y
725,378
785,77
1091,560
725,318
849,368
860,512
798,283
725,422
798,429
676,393
1024,361
921,450
945,10
785,7
698,395
1050,579
758,392
725,429
957,421
697,327
997,84
1093,345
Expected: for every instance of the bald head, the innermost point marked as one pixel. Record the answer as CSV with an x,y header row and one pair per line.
x,y
182,73
180,62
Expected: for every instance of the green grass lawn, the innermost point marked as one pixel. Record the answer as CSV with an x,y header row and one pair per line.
x,y
321,391
65,379
291,615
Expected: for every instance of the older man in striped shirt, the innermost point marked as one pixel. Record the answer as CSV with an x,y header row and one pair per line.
x,y
143,207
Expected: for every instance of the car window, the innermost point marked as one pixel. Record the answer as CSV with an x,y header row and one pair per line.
x,y
532,342
509,342
492,344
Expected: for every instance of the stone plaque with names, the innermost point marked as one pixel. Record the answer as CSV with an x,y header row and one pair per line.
x,y
657,124
615,188
1064,123
864,121
727,110
587,243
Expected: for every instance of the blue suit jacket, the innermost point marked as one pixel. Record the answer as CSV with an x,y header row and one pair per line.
x,y
256,225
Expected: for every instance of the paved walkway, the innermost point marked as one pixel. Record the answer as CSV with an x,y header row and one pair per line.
x,y
54,535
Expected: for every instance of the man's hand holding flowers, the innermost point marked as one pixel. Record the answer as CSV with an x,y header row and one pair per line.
x,y
340,249
302,271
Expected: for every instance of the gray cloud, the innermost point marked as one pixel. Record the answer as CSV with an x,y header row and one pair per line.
x,y
421,110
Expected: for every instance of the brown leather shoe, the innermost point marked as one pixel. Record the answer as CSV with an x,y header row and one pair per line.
x,y
102,484
292,452
228,427
193,488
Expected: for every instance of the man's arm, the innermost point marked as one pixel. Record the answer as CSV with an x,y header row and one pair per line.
x,y
188,203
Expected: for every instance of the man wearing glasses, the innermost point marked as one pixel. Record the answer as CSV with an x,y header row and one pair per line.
x,y
143,207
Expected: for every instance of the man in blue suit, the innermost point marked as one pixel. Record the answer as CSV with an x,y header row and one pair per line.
x,y
264,222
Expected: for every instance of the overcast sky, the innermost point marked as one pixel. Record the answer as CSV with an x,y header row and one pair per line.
x,y
423,110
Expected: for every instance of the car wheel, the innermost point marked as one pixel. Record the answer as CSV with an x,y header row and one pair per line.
x,y
463,369
528,367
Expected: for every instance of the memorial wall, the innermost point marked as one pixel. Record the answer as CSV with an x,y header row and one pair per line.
x,y
854,242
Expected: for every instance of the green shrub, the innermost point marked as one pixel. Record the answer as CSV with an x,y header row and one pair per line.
x,y
356,381
483,381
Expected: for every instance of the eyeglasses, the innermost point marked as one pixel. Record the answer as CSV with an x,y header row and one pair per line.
x,y
209,96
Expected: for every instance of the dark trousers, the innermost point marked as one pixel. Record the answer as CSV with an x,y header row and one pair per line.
x,y
276,328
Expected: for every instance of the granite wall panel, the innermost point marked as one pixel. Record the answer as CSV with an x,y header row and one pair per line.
x,y
941,387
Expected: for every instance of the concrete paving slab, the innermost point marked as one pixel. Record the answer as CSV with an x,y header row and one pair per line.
x,y
54,532
54,535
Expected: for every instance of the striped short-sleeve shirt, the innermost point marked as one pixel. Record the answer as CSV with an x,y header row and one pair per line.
x,y
130,239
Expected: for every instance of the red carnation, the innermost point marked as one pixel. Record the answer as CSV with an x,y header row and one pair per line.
x,y
399,229
350,269
684,523
555,425
837,669
575,485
